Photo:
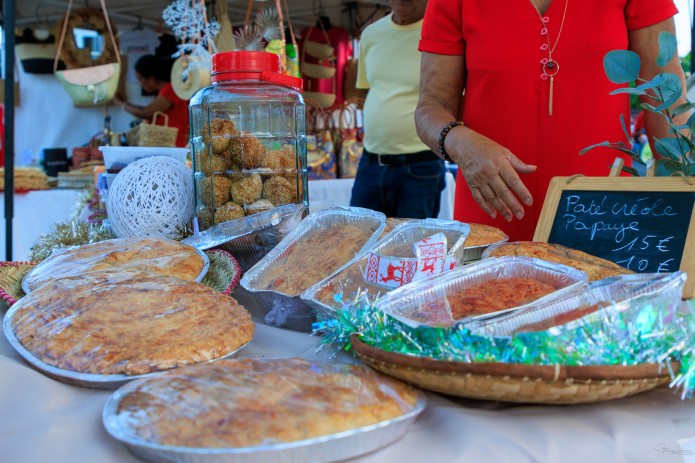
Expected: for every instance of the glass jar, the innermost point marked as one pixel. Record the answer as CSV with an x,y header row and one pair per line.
x,y
248,138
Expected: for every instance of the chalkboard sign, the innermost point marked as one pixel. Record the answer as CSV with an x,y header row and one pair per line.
x,y
643,224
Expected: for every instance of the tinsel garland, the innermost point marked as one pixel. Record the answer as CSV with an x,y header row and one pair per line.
x,y
68,234
648,333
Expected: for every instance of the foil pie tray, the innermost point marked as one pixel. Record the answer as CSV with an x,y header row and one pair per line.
x,y
89,380
199,278
289,310
334,447
250,238
425,302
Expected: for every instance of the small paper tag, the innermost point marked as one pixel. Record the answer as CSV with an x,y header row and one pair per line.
x,y
394,272
430,254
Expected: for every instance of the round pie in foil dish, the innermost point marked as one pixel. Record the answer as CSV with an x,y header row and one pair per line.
x,y
152,255
106,328
261,410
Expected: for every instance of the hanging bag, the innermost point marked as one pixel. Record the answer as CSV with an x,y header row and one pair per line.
x,y
350,145
190,73
320,149
93,85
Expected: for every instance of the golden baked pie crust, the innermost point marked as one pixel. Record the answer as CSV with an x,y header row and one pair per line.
x,y
595,267
251,402
155,255
126,323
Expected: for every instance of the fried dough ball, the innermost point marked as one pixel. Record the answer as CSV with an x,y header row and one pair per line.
x,y
210,163
215,190
258,206
221,131
246,151
278,190
228,211
248,189
233,152
281,162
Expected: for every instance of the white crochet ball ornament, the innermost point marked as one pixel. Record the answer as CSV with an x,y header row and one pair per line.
x,y
152,196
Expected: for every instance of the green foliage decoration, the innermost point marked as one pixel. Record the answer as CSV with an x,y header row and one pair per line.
x,y
678,150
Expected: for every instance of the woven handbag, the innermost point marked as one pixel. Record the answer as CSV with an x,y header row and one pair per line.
x,y
151,134
92,85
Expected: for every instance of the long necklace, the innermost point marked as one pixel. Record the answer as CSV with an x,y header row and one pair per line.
x,y
549,67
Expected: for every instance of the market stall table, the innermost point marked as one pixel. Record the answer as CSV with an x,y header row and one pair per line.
x,y
35,213
47,421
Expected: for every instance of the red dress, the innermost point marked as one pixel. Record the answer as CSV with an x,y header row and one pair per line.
x,y
178,114
507,101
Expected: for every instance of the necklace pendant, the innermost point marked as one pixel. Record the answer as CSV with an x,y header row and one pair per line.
x,y
550,67
550,97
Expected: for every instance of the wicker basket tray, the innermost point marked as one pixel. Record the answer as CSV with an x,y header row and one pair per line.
x,y
553,384
11,275
145,134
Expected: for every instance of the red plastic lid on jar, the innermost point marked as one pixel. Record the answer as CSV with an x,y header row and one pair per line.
x,y
260,65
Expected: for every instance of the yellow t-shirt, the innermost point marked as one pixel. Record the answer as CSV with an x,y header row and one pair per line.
x,y
389,66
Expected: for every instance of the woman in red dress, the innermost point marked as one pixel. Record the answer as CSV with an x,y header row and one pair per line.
x,y
535,95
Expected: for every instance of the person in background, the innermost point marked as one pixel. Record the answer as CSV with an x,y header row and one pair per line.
x,y
397,175
153,74
535,94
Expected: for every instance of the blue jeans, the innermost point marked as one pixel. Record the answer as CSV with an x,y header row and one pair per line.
x,y
411,191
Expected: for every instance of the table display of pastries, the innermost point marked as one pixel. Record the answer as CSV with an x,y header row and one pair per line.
x,y
595,267
154,255
26,178
118,322
256,402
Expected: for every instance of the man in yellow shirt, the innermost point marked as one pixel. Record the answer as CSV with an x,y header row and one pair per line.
x,y
398,175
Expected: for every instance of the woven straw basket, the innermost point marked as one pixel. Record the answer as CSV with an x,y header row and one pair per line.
x,y
514,382
322,100
145,134
317,71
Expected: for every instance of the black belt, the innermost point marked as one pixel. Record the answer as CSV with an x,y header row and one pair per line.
x,y
400,160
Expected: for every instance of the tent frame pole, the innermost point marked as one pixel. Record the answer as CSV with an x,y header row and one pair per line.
x,y
8,143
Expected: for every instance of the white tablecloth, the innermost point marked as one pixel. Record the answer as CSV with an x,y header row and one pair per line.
x,y
42,420
329,193
35,213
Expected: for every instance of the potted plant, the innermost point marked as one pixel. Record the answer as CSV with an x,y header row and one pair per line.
x,y
665,89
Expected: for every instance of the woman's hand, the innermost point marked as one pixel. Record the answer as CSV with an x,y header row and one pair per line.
x,y
491,172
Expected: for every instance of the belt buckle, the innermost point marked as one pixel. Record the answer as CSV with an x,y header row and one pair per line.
x,y
378,161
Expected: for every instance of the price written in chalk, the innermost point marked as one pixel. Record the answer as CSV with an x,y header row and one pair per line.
x,y
642,231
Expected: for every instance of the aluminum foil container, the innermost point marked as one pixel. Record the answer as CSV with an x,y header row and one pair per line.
x,y
349,284
250,238
425,302
334,447
476,252
584,303
27,278
289,310
93,381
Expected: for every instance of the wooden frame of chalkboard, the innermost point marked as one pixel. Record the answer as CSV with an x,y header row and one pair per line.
x,y
645,224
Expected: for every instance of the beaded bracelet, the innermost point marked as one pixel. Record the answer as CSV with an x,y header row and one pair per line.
x,y
442,137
